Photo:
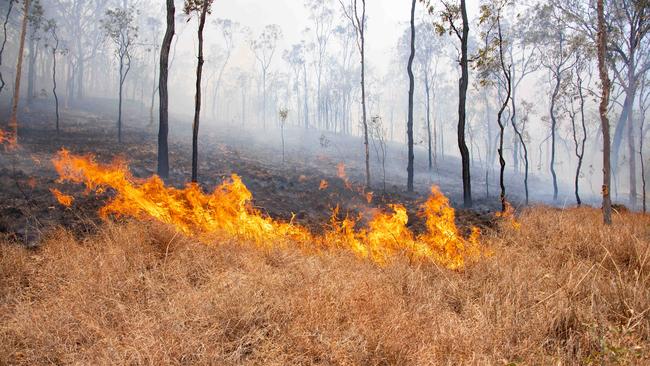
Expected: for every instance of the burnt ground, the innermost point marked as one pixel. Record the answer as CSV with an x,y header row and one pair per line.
x,y
28,208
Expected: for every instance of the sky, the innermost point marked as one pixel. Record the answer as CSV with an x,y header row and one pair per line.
x,y
386,21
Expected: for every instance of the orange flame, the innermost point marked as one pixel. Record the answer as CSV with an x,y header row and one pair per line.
x,y
228,210
9,139
323,185
340,168
369,196
64,199
509,215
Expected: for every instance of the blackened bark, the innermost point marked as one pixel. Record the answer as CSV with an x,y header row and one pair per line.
x,y
464,82
409,125
163,129
197,100
4,41
506,101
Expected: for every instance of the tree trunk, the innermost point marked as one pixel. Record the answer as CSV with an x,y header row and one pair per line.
x,y
119,108
197,101
464,82
13,120
163,149
632,153
427,89
604,102
4,41
31,69
363,91
56,97
556,90
409,125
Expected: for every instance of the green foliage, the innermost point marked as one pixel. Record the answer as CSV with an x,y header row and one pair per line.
x,y
196,6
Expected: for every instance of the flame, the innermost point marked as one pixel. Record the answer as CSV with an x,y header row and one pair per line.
x,y
369,196
340,172
509,215
63,199
228,210
323,185
9,139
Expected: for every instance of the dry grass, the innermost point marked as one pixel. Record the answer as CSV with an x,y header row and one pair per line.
x,y
561,290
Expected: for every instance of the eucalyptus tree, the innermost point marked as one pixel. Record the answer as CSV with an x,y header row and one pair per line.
x,y
409,123
295,58
202,8
558,48
492,64
627,24
453,20
51,29
644,105
605,86
163,105
36,21
264,48
10,6
228,30
119,27
322,16
13,119
357,18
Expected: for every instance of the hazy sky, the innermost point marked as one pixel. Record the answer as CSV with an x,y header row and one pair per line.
x,y
386,21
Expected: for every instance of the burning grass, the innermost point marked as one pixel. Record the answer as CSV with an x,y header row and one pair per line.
x,y
558,289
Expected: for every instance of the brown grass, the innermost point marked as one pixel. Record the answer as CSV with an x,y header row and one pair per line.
x,y
561,290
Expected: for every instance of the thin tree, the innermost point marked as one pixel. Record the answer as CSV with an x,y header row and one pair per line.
x,y
264,49
604,102
163,124
203,8
154,26
50,27
451,13
358,21
10,7
409,123
644,104
579,139
13,119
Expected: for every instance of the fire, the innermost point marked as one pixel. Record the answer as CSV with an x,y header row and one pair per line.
x,y
323,185
369,196
63,199
340,172
9,139
228,211
509,215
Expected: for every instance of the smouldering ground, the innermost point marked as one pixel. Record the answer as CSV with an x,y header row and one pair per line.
x,y
560,290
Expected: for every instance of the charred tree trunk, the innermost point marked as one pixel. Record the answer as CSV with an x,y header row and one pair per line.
x,y
197,100
409,125
13,120
604,102
579,144
506,101
464,82
4,41
56,97
163,149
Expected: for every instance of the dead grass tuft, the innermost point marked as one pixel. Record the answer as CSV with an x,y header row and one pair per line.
x,y
560,289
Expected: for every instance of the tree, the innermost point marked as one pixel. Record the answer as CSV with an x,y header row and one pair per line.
x,y
119,26
264,49
358,20
13,119
203,8
163,124
450,15
10,6
409,123
228,29
491,62
322,16
50,27
644,105
36,21
558,49
154,28
604,102
283,114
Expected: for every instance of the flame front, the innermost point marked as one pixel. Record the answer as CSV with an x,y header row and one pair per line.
x,y
63,199
228,211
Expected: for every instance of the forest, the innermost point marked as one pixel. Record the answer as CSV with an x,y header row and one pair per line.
x,y
324,182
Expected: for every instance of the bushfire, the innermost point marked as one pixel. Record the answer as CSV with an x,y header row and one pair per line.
x,y
228,211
